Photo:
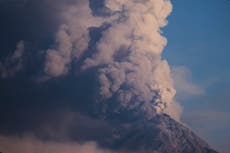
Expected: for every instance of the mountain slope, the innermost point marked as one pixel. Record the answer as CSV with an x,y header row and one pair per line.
x,y
161,134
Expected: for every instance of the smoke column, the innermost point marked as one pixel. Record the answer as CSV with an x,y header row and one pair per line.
x,y
127,55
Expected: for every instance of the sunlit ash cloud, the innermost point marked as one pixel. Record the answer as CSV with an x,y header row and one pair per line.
x,y
126,54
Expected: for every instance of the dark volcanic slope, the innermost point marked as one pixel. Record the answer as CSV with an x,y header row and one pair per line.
x,y
162,134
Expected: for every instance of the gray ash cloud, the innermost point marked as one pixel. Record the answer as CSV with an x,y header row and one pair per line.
x,y
126,55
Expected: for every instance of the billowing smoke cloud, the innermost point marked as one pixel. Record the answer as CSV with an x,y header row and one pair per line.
x,y
126,53
13,63
174,109
71,40
33,145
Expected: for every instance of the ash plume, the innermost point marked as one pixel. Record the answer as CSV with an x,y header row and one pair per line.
x,y
107,88
126,52
12,64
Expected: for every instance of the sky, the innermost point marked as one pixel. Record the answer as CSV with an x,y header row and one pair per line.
x,y
197,52
198,36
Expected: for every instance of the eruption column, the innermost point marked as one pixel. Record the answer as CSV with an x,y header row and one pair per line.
x,y
127,55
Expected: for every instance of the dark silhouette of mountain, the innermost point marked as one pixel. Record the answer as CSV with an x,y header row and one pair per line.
x,y
161,134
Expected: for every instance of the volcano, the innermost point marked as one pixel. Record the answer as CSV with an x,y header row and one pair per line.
x,y
105,64
161,134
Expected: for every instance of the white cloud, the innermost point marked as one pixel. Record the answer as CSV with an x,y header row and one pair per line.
x,y
184,87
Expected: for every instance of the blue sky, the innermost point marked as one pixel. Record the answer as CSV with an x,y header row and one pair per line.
x,y
198,36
